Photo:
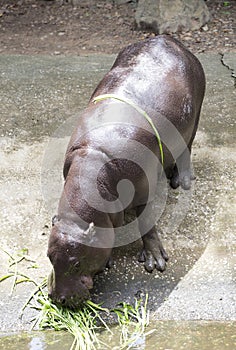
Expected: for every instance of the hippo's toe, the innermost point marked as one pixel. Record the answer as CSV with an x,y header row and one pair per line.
x,y
153,254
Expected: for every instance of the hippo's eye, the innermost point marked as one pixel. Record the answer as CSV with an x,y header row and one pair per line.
x,y
76,265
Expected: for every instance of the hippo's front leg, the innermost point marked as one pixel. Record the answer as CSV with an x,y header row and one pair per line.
x,y
153,254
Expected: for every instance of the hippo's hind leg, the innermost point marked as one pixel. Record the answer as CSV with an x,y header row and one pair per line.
x,y
153,253
182,173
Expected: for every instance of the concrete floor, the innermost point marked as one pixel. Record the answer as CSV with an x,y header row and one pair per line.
x,y
40,99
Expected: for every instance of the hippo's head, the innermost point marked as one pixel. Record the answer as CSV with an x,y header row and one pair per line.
x,y
74,261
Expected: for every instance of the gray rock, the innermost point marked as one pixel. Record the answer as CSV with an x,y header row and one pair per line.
x,y
77,2
170,16
72,2
120,2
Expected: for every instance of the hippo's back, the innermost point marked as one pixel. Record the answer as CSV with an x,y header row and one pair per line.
x,y
157,74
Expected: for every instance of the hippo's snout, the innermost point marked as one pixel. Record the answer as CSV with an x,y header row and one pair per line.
x,y
72,301
69,293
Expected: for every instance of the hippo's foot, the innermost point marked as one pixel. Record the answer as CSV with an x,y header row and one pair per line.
x,y
153,254
182,179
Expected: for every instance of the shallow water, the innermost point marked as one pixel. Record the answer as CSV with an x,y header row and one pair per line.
x,y
168,335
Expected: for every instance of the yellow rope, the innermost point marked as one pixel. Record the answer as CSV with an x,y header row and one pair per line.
x,y
140,110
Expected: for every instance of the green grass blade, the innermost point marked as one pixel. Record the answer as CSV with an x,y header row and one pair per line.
x,y
3,278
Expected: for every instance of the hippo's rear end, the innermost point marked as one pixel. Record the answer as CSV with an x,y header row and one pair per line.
x,y
167,81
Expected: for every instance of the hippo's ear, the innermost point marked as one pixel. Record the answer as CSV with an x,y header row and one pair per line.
x,y
55,219
90,232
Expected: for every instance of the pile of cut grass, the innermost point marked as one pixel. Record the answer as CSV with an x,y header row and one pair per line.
x,y
84,324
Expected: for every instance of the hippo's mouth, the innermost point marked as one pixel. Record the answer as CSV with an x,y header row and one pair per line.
x,y
73,302
67,294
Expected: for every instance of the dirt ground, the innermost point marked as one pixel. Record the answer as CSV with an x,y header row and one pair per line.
x,y
57,27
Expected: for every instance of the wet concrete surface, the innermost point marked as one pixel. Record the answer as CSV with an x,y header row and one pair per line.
x,y
167,335
40,101
44,91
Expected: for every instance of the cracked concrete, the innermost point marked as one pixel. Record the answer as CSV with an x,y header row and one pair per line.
x,y
228,60
41,95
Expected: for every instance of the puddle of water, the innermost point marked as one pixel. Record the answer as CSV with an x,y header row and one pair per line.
x,y
47,340
168,335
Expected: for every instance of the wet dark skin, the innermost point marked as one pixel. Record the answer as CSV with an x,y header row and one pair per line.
x,y
164,79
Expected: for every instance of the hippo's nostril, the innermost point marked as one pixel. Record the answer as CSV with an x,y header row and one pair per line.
x,y
62,300
87,281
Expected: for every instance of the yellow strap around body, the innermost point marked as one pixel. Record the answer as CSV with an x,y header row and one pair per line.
x,y
140,110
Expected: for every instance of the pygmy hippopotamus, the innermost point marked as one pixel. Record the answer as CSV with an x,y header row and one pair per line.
x,y
114,161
